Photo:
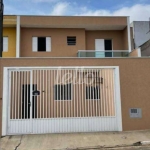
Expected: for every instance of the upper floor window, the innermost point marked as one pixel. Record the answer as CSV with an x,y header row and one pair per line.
x,y
5,44
71,40
41,44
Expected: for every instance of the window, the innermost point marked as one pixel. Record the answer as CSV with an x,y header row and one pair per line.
x,y
71,40
63,92
5,44
92,93
41,44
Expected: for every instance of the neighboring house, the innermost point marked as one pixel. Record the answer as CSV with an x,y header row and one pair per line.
x,y
141,33
145,48
71,74
9,36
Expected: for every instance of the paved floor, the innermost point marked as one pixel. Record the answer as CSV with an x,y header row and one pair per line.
x,y
75,141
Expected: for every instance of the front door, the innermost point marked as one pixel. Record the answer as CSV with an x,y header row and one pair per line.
x,y
22,103
26,103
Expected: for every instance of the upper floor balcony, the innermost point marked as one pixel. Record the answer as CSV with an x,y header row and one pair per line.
x,y
103,53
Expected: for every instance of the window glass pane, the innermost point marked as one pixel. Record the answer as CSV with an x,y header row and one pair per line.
x,y
41,43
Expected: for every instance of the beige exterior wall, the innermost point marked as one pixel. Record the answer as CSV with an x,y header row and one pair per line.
x,y
58,41
134,53
85,41
125,39
134,85
116,36
69,21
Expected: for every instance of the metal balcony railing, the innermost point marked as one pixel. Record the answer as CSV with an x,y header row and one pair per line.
x,y
103,54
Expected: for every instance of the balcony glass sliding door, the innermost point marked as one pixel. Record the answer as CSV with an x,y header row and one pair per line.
x,y
101,48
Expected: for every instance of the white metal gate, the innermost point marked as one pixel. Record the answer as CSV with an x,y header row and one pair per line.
x,y
60,100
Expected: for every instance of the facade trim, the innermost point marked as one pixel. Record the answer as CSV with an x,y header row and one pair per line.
x,y
129,34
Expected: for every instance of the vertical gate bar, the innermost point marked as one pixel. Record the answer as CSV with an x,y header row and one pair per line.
x,y
68,101
34,75
87,92
24,100
50,97
114,95
13,96
40,95
90,99
46,93
109,81
60,102
37,80
107,92
103,112
83,103
31,89
96,94
80,92
21,92
111,92
10,100
63,93
18,91
57,94
77,72
99,92
43,89
27,96
106,100
72,93
56,99
74,83
93,92
49,93
16,95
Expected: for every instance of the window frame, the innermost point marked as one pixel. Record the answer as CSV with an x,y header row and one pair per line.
x,y
35,48
99,98
63,99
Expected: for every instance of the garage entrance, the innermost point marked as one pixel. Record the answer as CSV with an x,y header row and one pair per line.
x,y
61,100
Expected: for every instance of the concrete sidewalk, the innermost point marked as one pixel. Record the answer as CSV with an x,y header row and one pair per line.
x,y
73,141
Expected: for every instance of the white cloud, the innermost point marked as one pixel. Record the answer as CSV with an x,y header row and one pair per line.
x,y
60,8
137,12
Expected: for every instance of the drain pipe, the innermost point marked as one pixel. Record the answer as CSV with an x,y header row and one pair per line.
x,y
1,27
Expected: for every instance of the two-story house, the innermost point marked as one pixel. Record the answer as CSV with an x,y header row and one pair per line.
x,y
71,74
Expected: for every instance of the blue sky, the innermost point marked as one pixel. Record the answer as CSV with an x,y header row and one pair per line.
x,y
137,9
